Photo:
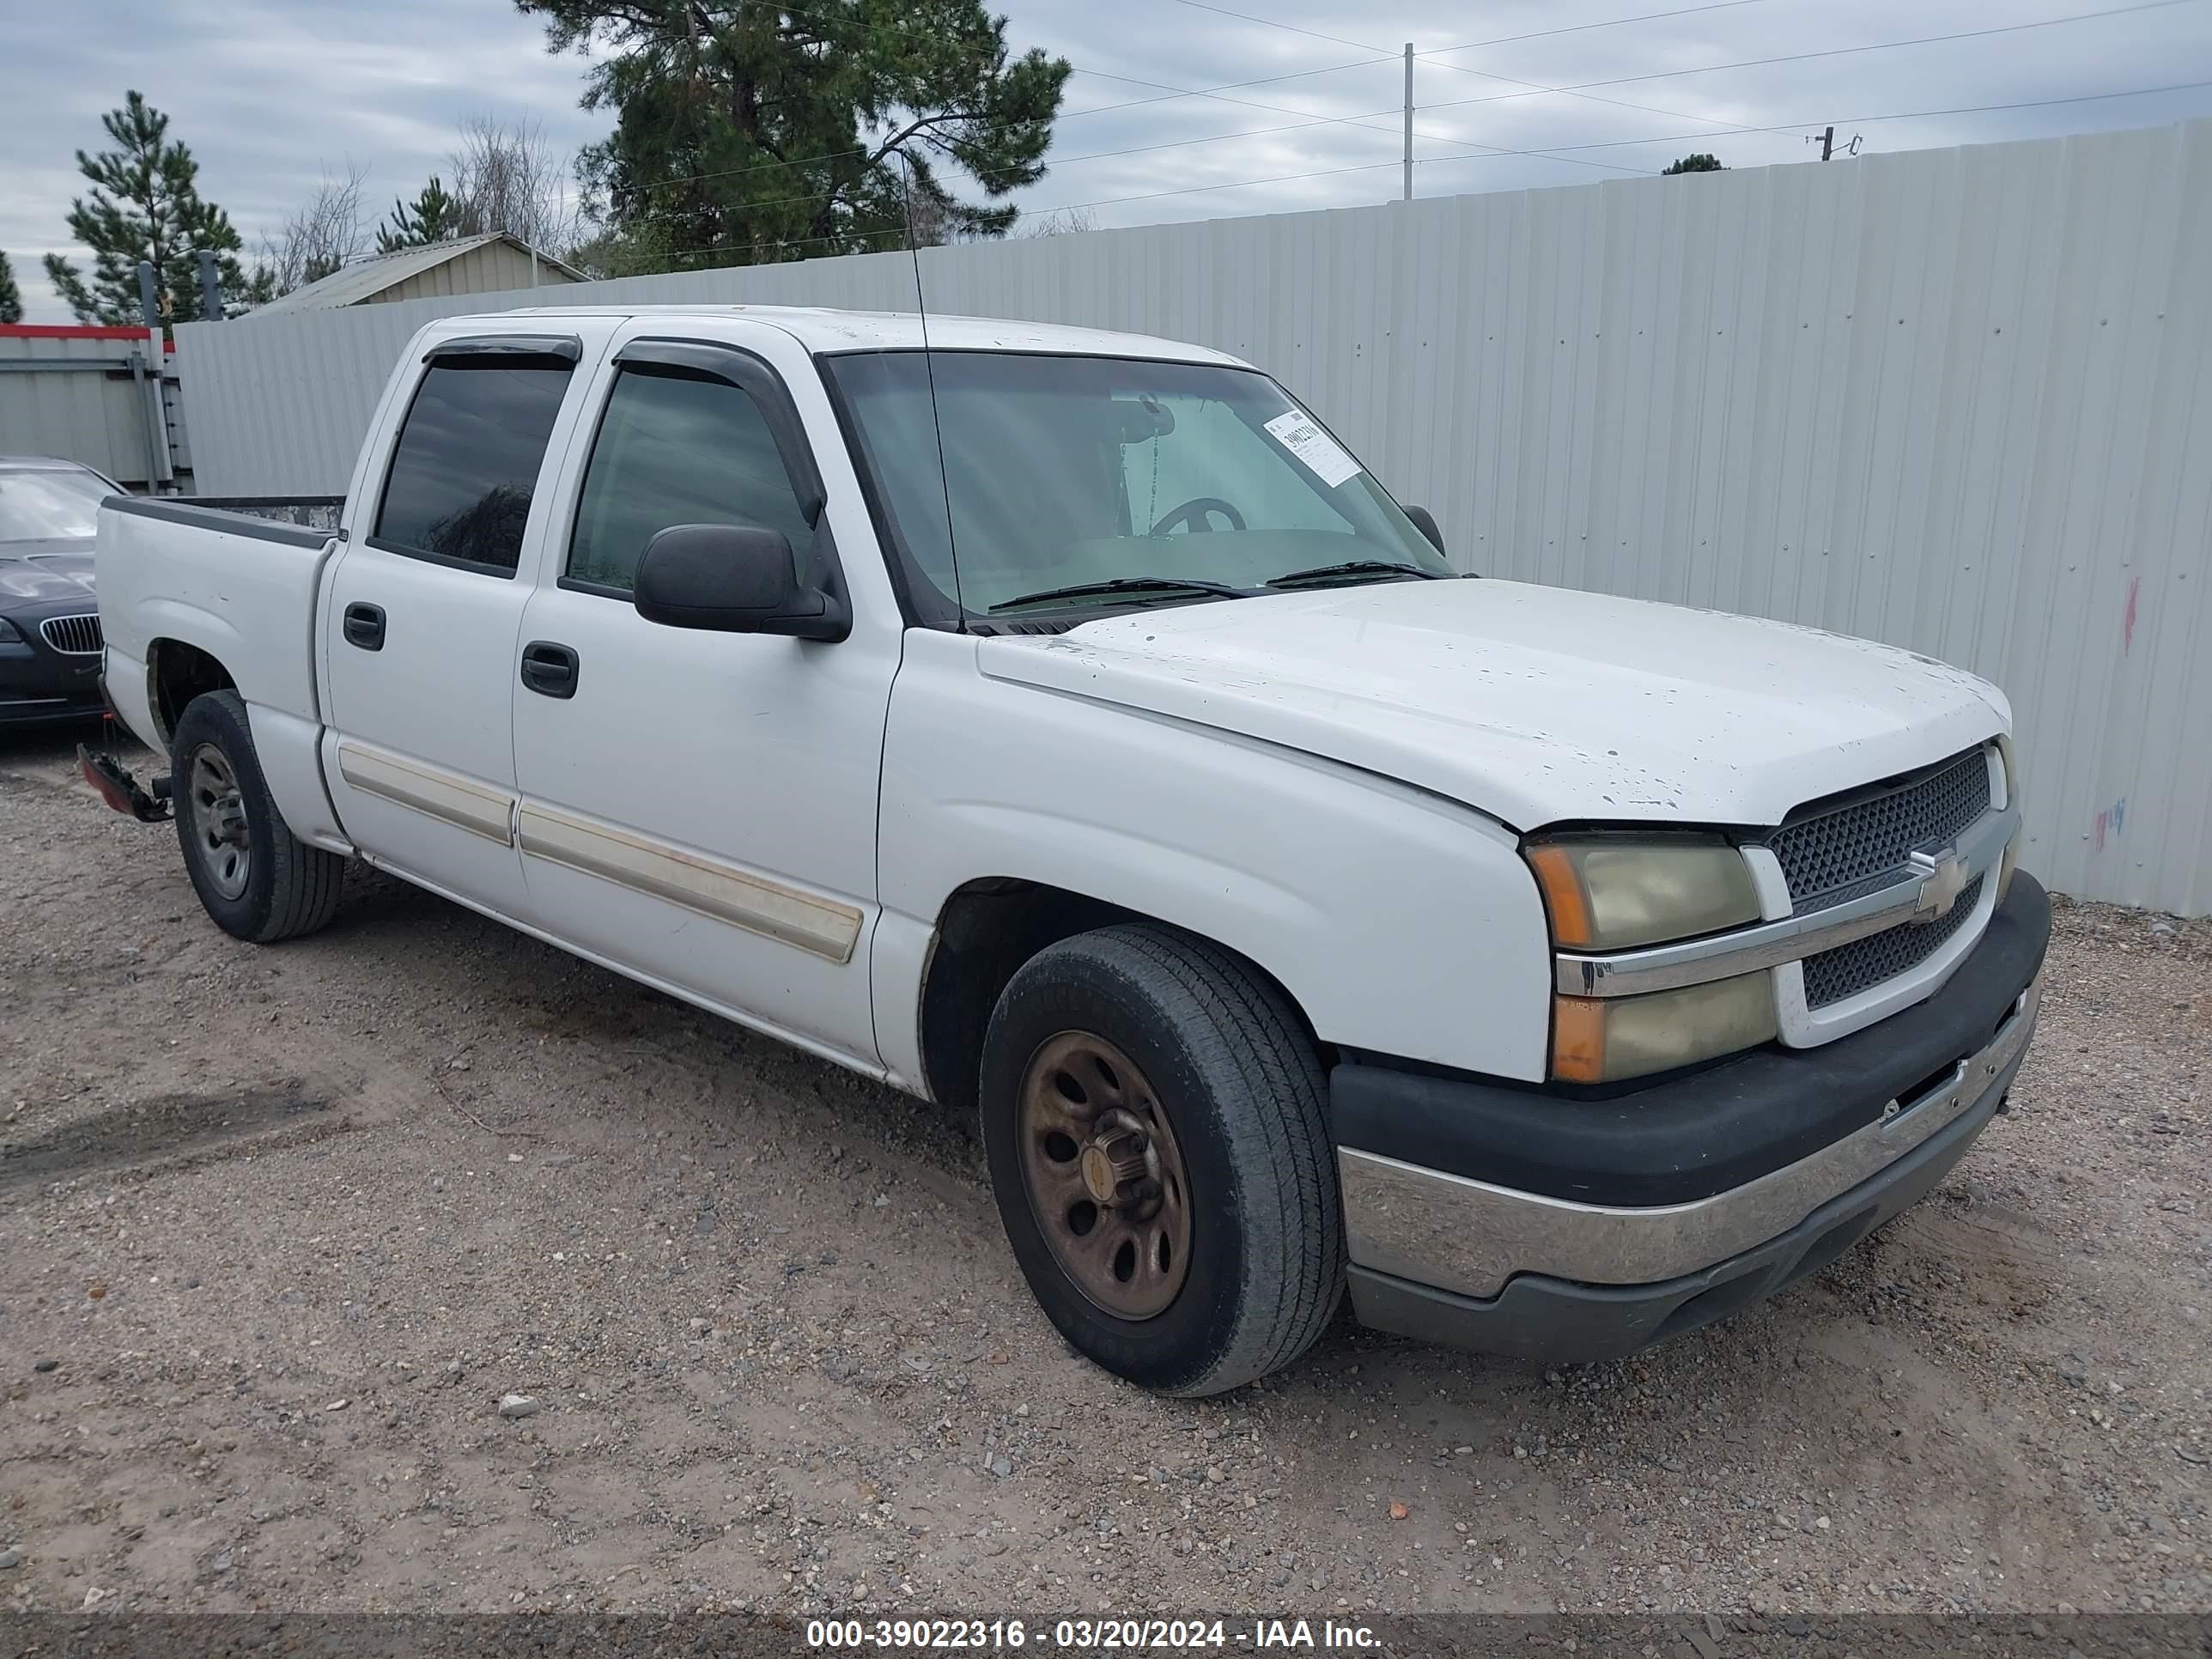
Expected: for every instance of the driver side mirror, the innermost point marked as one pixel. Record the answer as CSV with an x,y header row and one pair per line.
x,y
733,578
1425,522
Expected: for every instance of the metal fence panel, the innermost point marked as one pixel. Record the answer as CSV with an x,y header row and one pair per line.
x,y
74,398
1953,399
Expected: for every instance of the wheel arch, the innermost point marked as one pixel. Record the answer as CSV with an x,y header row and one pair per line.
x,y
176,673
986,929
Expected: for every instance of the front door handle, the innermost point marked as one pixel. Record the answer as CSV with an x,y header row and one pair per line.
x,y
364,626
548,669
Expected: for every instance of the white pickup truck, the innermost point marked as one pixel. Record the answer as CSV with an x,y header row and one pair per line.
x,y
1064,722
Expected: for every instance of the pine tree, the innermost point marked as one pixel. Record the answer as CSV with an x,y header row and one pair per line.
x,y
747,132
11,297
145,204
1698,162
433,217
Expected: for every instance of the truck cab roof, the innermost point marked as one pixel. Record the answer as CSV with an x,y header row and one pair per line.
x,y
824,330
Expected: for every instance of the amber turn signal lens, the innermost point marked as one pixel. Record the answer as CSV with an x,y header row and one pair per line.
x,y
1605,1039
1561,881
1578,1040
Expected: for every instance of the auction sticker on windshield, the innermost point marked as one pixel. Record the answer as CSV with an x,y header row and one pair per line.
x,y
1323,455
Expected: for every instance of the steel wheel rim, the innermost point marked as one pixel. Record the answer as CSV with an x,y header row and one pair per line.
x,y
220,842
1105,1176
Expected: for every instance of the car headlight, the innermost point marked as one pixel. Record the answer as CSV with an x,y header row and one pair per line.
x,y
1609,893
1616,892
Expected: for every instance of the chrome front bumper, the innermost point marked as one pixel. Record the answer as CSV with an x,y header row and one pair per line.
x,y
1470,1237
1465,1262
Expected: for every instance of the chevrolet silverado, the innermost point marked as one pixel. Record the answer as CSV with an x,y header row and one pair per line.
x,y
1067,723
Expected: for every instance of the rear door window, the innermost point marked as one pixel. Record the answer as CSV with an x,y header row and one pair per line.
x,y
467,460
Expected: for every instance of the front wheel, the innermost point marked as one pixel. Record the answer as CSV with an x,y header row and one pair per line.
x,y
1153,1116
255,877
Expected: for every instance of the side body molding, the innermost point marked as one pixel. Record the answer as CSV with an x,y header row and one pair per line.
x,y
709,885
457,801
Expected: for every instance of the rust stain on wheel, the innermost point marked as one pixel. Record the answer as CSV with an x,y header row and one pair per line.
x,y
1105,1177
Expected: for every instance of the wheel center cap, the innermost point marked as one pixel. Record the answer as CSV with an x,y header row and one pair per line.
x,y
1098,1173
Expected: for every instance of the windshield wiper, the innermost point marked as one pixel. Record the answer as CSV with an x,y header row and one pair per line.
x,y
1357,568
1127,585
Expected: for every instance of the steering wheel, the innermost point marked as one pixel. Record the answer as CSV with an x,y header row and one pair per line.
x,y
1196,512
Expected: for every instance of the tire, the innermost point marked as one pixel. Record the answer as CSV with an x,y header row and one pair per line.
x,y
271,886
1237,1095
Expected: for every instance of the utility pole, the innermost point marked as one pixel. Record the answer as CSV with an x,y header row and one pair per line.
x,y
1828,144
1409,120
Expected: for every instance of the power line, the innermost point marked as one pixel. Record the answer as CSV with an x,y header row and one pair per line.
x,y
1580,29
1206,92
1472,153
1894,115
1616,143
1313,119
1173,93
1488,75
1288,29
1562,152
1476,45
1607,143
1832,52
1470,150
1364,121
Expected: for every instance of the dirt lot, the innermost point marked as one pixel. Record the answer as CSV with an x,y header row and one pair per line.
x,y
279,1229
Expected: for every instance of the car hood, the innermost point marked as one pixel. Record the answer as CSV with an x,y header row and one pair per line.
x,y
36,572
1536,705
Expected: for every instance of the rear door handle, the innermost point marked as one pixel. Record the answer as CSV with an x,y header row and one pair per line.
x,y
364,626
549,670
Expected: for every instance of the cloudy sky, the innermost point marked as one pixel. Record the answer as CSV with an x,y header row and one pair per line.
x,y
272,95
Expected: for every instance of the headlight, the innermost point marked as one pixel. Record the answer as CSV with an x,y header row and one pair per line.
x,y
1616,892
2011,861
1604,1039
1609,893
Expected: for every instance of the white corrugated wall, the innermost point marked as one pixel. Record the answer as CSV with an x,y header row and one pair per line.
x,y
1960,400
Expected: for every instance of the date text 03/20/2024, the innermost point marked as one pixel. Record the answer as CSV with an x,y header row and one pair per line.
x,y
1083,1634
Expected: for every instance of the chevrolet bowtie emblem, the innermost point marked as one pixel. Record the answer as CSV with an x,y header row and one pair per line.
x,y
1945,880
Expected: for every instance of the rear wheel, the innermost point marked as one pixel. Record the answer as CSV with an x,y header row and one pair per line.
x,y
1153,1118
254,877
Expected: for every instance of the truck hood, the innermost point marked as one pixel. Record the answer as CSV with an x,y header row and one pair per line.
x,y
1534,705
36,572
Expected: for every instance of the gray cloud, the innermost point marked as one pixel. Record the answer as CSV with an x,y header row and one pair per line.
x,y
273,94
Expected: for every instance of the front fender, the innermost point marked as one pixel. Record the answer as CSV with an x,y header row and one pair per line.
x,y
1400,922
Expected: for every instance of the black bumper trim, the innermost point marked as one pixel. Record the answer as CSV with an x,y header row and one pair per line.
x,y
1694,1136
1546,1322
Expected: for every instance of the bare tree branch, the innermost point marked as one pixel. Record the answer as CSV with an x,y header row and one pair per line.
x,y
506,177
1061,222
322,235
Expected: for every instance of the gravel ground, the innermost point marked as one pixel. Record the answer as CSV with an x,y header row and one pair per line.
x,y
280,1228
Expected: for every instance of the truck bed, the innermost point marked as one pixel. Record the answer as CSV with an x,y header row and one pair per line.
x,y
240,588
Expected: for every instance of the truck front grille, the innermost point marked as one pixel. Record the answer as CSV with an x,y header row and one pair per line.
x,y
1829,853
1863,963
75,636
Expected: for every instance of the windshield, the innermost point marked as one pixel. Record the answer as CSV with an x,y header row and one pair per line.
x,y
39,504
1067,471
